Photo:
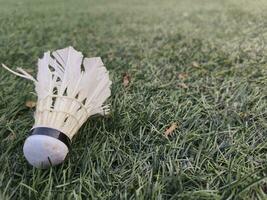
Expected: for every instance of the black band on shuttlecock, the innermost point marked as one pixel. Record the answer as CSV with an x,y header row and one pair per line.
x,y
52,133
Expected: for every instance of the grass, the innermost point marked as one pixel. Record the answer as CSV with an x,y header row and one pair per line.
x,y
218,150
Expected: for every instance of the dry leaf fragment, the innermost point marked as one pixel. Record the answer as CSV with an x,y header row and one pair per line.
x,y
126,79
195,64
30,104
183,76
183,85
170,130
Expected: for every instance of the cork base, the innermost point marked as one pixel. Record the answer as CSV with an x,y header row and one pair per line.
x,y
43,151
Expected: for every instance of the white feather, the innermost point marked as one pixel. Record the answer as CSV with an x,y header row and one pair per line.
x,y
67,95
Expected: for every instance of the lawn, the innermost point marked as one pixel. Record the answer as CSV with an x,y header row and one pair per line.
x,y
199,64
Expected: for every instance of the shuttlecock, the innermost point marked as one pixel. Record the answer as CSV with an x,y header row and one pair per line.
x,y
70,89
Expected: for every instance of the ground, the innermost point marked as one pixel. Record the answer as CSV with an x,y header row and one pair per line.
x,y
199,64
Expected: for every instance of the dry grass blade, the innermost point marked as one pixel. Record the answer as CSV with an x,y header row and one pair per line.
x,y
30,71
10,137
195,64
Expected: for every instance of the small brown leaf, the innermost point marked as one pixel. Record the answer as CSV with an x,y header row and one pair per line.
x,y
30,104
170,130
183,76
183,85
126,79
195,64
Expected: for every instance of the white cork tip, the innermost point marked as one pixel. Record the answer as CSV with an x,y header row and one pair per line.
x,y
43,151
